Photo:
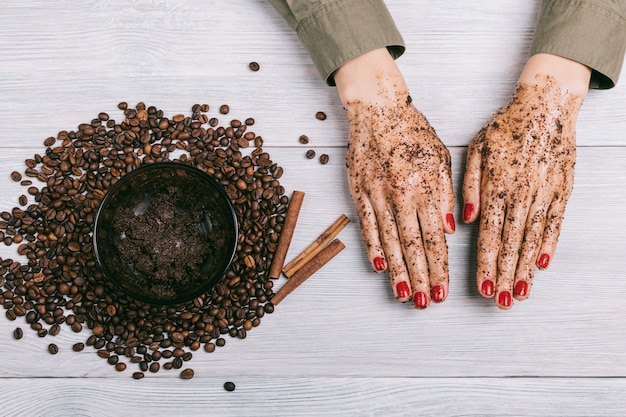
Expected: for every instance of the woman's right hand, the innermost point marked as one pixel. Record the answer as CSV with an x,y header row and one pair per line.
x,y
399,174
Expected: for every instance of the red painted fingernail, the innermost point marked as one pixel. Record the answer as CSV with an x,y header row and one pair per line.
x,y
437,293
486,288
521,288
504,299
402,289
420,300
468,211
450,221
379,263
544,261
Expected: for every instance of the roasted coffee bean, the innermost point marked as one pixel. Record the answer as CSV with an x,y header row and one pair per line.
x,y
187,373
53,349
224,109
138,375
18,333
304,139
55,329
324,158
229,386
320,115
78,347
254,66
310,154
16,176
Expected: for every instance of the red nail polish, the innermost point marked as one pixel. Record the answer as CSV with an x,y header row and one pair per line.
x,y
402,289
437,293
450,221
544,261
521,288
468,211
504,299
420,300
486,288
379,264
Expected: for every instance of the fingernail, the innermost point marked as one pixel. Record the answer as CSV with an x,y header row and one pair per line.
x,y
420,300
544,261
437,293
450,221
504,299
521,288
486,288
468,211
402,289
379,263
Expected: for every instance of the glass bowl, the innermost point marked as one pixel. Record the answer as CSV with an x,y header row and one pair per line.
x,y
165,233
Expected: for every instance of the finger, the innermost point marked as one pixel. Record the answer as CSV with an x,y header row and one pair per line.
x,y
489,241
473,177
369,228
512,237
414,255
530,249
555,214
398,274
446,192
551,231
435,247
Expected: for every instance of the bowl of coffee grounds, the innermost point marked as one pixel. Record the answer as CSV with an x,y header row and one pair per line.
x,y
165,233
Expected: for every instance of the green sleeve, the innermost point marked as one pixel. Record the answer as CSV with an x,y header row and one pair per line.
x,y
335,31
592,32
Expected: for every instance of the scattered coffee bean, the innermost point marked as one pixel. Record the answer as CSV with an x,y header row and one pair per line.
x,y
16,176
320,115
187,373
310,154
78,347
53,349
304,139
18,333
138,375
254,66
224,109
229,386
324,159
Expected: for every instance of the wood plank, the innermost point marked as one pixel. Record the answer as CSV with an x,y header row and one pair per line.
x,y
260,395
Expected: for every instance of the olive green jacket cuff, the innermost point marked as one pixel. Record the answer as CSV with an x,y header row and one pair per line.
x,y
591,32
335,31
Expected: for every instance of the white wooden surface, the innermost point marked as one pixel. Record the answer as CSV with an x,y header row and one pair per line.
x,y
339,345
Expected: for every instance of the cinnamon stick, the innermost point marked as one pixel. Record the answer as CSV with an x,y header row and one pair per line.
x,y
314,248
308,269
286,234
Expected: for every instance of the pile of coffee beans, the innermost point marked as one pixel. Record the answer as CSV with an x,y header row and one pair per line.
x,y
60,285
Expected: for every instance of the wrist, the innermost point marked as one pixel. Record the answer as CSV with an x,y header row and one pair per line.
x,y
570,75
370,78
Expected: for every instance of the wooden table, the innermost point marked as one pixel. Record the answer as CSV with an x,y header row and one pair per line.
x,y
340,344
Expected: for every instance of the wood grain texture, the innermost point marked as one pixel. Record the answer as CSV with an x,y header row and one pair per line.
x,y
340,344
336,396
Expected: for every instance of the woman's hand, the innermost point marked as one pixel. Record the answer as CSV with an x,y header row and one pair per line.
x,y
399,175
519,176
